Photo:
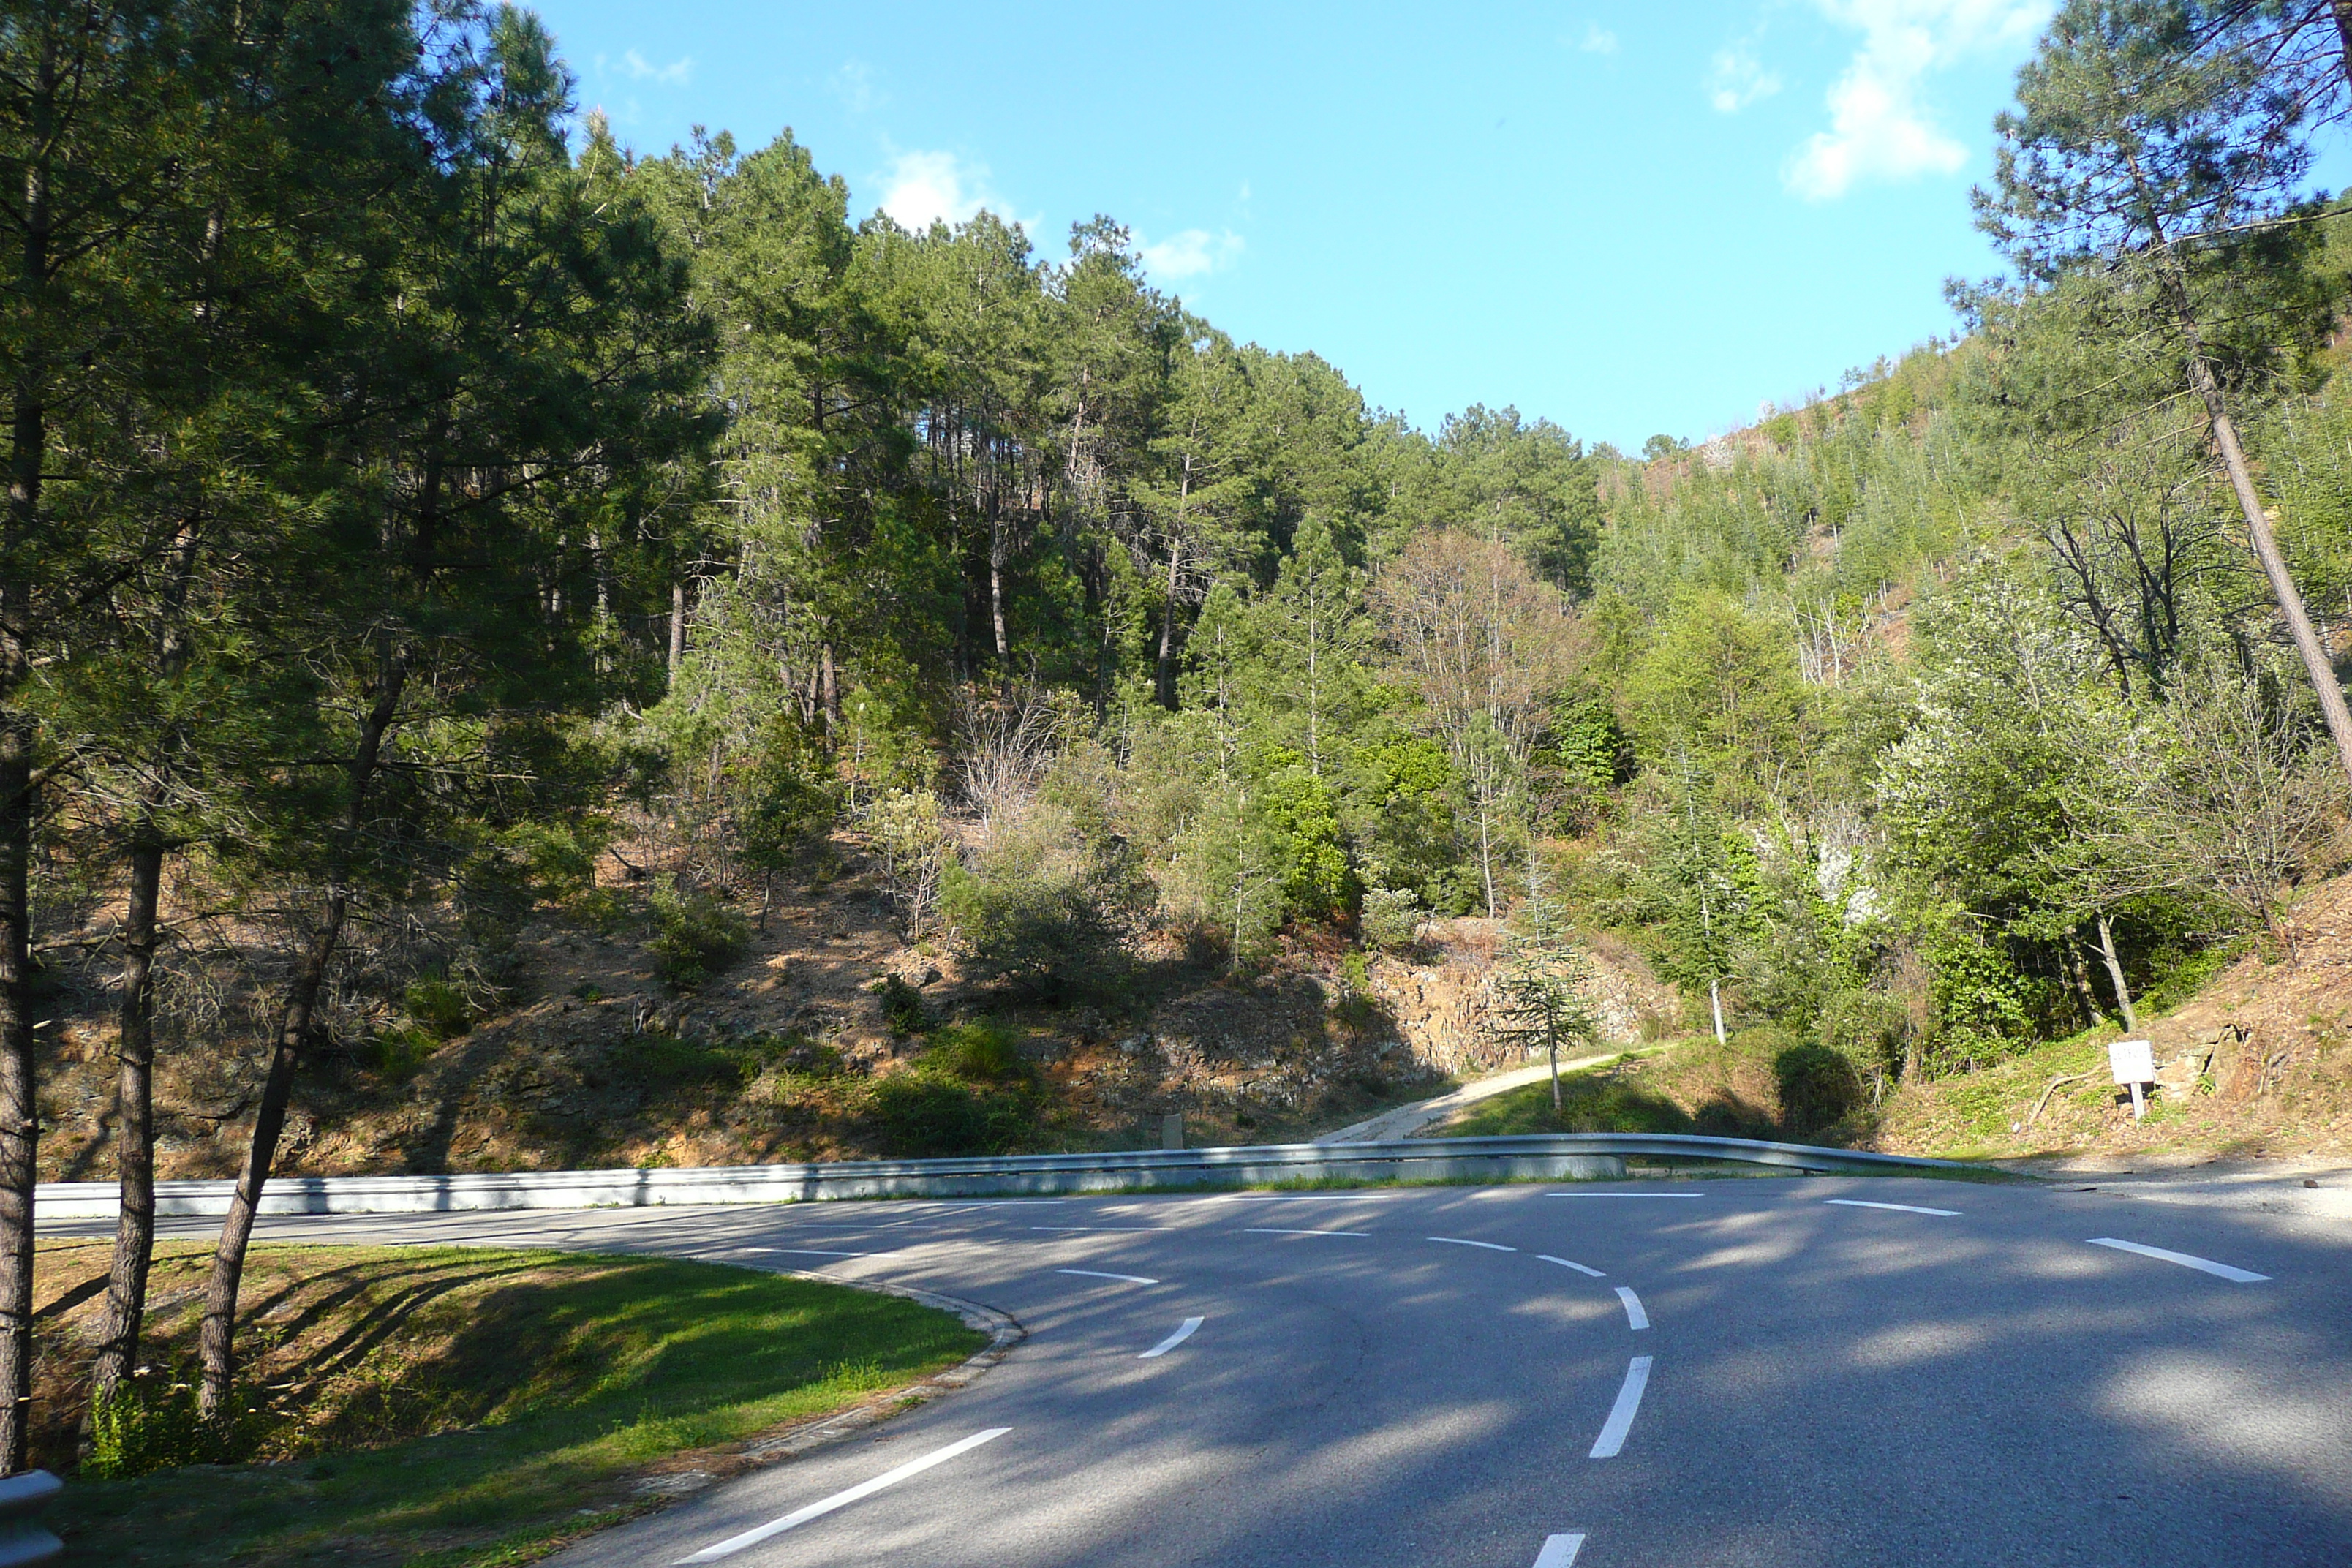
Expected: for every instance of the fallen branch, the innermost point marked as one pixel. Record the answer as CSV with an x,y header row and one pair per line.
x,y
2054,1085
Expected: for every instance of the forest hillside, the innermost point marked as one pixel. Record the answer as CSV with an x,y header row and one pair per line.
x,y
475,596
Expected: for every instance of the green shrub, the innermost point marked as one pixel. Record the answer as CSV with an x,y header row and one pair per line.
x,y
970,1093
1391,917
694,934
1044,929
925,1115
150,1424
902,1005
978,1053
1870,1028
657,1061
397,1053
438,1007
1819,1086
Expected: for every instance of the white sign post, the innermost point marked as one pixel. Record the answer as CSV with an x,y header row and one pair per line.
x,y
2134,1062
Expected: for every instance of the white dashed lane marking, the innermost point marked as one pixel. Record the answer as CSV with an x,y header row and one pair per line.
x,y
1489,1246
1621,1414
1183,1331
1560,1552
1098,1274
1269,1230
1564,1263
1634,1316
1624,1194
2186,1260
734,1544
1901,1208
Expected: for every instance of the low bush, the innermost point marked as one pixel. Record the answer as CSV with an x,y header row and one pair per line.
x,y
152,1423
902,1007
978,1052
695,935
657,1061
970,1093
1044,931
1391,916
928,1115
1818,1088
438,1007
396,1053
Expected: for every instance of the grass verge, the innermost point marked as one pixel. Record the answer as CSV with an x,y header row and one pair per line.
x,y
463,1407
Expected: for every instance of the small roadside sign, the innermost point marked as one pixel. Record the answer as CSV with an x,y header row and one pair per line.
x,y
2134,1062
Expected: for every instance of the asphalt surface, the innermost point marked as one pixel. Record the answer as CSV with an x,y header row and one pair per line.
x,y
1826,1384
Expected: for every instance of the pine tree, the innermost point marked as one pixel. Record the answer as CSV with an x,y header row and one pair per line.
x,y
1542,995
2159,150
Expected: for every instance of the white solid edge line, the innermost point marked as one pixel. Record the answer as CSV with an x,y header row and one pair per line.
x,y
1183,1332
1565,1263
1559,1550
1098,1274
1624,1194
1334,1196
1489,1246
1269,1230
1121,1228
1899,1208
1634,1316
2224,1270
735,1543
1621,1414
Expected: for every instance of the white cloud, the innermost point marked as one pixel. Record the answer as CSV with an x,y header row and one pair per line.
x,y
1879,128
1738,78
1194,253
922,188
853,84
678,73
1598,40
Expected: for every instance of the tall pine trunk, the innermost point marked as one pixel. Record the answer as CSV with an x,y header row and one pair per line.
x,y
19,1123
134,1086
676,628
19,1112
217,1346
134,1110
1165,678
2264,543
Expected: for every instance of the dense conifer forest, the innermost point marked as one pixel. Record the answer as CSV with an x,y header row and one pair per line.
x,y
415,496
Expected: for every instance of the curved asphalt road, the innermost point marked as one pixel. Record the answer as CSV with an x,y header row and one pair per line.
x,y
1827,1381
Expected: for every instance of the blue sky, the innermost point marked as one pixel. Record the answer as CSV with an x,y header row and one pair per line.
x,y
1627,218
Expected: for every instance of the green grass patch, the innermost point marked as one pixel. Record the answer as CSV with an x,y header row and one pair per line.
x,y
1594,1100
463,1408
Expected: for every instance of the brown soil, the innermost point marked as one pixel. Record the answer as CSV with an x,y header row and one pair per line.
x,y
591,1063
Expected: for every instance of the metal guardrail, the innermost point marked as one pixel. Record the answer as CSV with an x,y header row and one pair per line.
x,y
1571,1156
22,1537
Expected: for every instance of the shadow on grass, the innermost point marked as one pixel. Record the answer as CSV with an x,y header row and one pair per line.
x,y
540,1382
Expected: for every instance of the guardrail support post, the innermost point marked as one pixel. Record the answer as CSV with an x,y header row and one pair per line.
x,y
22,1537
